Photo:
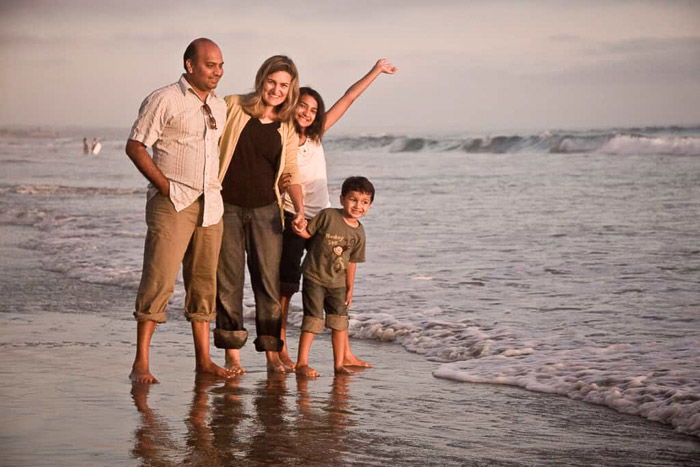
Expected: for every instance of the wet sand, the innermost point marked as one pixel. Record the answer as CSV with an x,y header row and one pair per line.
x,y
67,348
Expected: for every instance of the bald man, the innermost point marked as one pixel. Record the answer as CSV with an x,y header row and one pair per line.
x,y
181,123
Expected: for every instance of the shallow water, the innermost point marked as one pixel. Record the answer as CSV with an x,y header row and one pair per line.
x,y
66,400
569,274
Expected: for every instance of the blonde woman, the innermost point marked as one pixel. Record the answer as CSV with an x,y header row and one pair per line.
x,y
258,145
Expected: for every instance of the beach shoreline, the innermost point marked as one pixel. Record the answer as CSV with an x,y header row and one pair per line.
x,y
66,399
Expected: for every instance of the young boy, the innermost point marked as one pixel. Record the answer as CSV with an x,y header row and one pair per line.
x,y
337,246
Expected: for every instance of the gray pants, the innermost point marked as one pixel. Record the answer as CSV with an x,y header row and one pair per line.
x,y
257,233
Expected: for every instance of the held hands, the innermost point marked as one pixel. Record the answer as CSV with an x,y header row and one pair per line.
x,y
383,65
299,226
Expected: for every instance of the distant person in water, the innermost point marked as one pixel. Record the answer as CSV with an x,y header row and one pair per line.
x,y
86,148
337,245
96,146
312,121
182,122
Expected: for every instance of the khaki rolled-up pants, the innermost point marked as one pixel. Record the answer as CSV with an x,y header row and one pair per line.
x,y
174,239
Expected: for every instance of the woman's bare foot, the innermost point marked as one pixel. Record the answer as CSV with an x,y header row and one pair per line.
x,y
274,364
211,368
141,374
343,371
306,370
351,360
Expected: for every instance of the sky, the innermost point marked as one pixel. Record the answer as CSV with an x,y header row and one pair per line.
x,y
464,66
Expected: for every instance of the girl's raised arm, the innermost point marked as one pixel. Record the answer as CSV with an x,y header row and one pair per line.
x,y
334,113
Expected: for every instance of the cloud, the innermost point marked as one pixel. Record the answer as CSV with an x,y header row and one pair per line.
x,y
566,38
646,45
463,63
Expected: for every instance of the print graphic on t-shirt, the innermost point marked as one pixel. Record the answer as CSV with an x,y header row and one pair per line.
x,y
338,245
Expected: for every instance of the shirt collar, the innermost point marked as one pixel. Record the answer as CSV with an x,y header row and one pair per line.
x,y
185,86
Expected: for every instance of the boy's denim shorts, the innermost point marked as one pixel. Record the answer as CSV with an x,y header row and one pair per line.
x,y
317,299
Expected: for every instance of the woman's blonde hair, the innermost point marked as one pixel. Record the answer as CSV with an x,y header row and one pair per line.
x,y
253,103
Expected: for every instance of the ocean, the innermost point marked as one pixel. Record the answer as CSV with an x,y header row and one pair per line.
x,y
564,262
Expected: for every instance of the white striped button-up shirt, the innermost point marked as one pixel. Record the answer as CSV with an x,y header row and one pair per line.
x,y
173,122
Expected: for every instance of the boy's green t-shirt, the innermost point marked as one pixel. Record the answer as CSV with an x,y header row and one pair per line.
x,y
334,244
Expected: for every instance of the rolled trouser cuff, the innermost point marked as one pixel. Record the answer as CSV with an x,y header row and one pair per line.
x,y
337,322
268,343
312,324
229,339
201,316
159,318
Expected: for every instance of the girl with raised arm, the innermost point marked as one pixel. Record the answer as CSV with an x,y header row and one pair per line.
x,y
312,121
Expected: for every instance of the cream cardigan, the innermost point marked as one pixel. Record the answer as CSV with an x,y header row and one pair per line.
x,y
236,120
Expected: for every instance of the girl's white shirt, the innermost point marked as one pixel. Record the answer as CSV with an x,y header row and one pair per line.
x,y
311,167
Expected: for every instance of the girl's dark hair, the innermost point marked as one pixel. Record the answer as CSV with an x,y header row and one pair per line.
x,y
359,184
316,129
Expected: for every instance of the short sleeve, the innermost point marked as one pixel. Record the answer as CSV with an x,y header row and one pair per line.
x,y
317,222
151,120
357,255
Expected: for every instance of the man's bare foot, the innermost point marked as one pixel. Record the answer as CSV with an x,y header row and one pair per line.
x,y
141,374
274,364
211,368
344,371
306,370
352,360
287,362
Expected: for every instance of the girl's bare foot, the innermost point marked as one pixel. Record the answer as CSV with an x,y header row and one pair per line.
x,y
141,374
274,364
344,371
235,369
287,362
233,362
306,370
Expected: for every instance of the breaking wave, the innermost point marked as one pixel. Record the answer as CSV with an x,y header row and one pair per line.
x,y
658,141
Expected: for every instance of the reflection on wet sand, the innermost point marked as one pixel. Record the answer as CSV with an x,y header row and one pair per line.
x,y
153,439
321,432
271,437
226,424
211,429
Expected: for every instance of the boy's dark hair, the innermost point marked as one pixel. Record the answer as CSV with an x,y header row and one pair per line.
x,y
316,129
360,184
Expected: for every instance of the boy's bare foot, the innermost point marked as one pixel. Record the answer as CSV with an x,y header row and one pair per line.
x,y
274,364
344,371
352,360
211,368
306,370
141,374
